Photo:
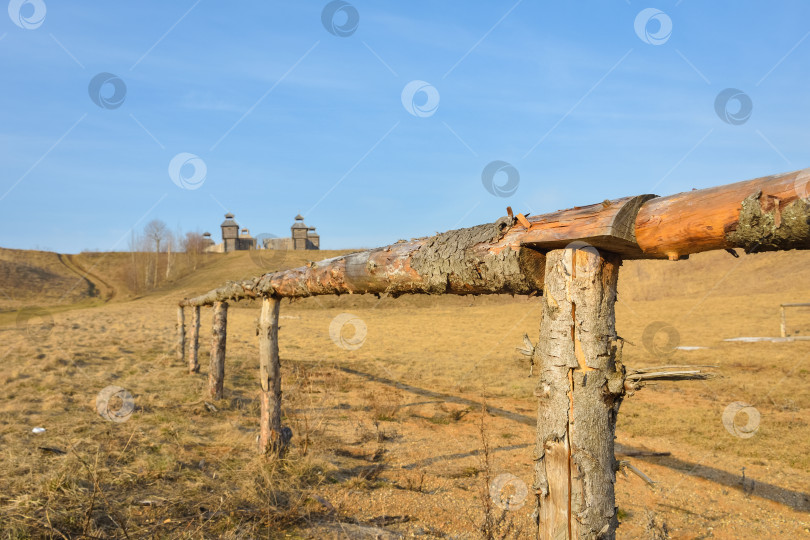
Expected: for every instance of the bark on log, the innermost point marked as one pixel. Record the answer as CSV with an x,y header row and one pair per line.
x,y
765,214
180,346
194,346
501,257
216,373
455,262
769,213
579,391
270,439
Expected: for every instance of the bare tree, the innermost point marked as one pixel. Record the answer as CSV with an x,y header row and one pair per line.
x,y
156,232
194,245
170,244
132,274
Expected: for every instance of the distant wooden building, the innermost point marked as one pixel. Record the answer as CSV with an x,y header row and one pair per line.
x,y
301,237
208,242
233,239
304,237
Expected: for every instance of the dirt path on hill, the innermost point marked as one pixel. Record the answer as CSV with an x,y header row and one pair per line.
x,y
96,287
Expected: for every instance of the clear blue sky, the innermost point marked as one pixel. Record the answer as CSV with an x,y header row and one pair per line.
x,y
288,117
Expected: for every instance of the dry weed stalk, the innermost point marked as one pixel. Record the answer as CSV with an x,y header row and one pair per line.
x,y
495,525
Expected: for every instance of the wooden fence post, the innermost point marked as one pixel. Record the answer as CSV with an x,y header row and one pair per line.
x,y
579,391
194,346
216,372
270,439
783,325
180,346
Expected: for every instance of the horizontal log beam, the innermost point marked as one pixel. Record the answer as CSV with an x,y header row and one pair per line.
x,y
607,226
455,262
497,258
764,214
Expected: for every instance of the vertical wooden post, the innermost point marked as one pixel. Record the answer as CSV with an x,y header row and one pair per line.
x,y
580,389
783,332
180,346
194,346
270,440
216,372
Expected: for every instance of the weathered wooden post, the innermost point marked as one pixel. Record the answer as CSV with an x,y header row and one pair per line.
x,y
194,346
783,325
180,345
216,372
270,439
580,388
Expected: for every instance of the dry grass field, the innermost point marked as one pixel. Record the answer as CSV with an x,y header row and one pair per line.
x,y
402,436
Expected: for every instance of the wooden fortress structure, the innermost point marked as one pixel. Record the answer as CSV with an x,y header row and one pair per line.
x,y
301,237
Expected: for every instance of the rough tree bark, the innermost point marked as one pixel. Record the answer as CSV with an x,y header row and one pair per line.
x,y
580,388
180,346
216,372
495,258
194,346
270,440
769,213
455,262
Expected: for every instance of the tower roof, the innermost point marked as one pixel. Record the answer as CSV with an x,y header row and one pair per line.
x,y
299,222
229,222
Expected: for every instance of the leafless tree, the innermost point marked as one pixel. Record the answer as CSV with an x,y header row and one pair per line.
x,y
156,232
171,245
194,246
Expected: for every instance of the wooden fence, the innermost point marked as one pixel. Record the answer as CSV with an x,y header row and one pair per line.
x,y
783,319
572,258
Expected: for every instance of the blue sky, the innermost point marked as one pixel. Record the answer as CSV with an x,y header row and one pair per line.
x,y
288,117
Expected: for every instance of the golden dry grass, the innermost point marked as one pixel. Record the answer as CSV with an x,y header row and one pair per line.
x,y
389,434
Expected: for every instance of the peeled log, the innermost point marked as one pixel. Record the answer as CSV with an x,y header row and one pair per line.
x,y
608,226
765,214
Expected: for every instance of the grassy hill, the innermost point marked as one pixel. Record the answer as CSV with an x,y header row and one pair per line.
x,y
46,279
60,281
42,277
